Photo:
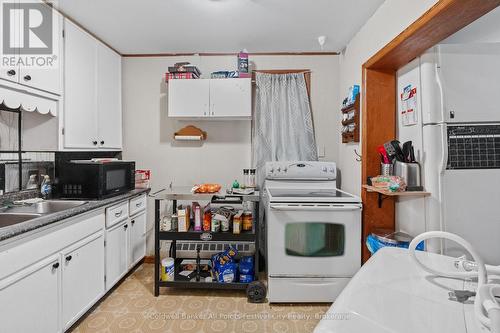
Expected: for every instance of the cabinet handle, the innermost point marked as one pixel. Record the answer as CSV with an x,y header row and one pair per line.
x,y
11,72
27,78
139,204
55,266
102,142
95,143
133,222
68,258
125,227
118,214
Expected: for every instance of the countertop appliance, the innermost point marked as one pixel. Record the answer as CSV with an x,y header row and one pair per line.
x,y
313,232
90,179
457,140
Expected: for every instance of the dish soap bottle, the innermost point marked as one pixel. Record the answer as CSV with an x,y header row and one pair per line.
x,y
32,183
46,188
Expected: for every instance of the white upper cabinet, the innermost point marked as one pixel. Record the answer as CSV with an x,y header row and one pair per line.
x,y
10,73
46,78
210,98
80,93
188,98
92,91
230,97
109,97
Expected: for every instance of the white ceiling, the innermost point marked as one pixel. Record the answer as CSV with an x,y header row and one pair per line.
x,y
175,26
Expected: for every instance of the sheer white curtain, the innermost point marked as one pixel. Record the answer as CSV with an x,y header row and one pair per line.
x,y
283,126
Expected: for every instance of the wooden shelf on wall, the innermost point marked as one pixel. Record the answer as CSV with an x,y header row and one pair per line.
x,y
395,194
354,135
384,194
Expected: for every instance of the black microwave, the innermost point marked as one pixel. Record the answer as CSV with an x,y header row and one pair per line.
x,y
87,179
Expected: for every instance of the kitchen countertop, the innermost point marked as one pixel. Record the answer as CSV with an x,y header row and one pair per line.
x,y
45,220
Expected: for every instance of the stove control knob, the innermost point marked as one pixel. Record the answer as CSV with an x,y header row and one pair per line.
x,y
325,169
271,170
285,169
331,170
279,169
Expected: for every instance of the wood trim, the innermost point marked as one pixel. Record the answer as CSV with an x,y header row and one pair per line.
x,y
379,126
149,259
307,75
441,21
379,107
215,54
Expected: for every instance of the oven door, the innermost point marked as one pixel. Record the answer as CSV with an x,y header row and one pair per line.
x,y
117,177
313,240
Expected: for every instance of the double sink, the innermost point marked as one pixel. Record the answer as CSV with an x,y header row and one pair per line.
x,y
17,214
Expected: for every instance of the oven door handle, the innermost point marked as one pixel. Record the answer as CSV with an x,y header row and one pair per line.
x,y
315,207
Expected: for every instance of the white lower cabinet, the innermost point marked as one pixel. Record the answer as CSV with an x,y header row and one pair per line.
x,y
82,277
125,240
29,299
49,280
137,238
117,254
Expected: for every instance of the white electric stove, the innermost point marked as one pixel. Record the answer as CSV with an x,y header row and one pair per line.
x,y
313,232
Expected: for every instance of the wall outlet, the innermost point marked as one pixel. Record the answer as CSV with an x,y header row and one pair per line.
x,y
321,151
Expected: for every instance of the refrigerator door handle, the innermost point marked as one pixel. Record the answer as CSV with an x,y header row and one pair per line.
x,y
444,146
440,83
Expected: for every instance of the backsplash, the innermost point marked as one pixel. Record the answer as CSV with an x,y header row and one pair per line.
x,y
33,163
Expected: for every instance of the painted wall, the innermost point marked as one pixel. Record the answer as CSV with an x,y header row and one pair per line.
x,y
484,30
387,22
148,131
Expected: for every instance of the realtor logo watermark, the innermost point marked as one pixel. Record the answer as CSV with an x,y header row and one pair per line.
x,y
29,34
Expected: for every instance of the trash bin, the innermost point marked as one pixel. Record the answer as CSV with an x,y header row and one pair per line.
x,y
381,238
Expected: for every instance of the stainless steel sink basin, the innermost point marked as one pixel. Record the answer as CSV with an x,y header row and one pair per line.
x,y
7,219
46,207
53,206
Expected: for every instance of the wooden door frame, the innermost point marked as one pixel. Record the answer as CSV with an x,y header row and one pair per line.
x,y
379,108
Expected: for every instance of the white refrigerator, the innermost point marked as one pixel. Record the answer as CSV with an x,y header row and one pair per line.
x,y
456,136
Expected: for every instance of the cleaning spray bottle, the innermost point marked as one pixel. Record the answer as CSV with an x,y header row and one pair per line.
x,y
46,188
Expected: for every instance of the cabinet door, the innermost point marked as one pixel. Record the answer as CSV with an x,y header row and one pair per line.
x,y
231,97
82,277
109,104
47,78
80,98
188,98
10,73
137,238
117,254
29,300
